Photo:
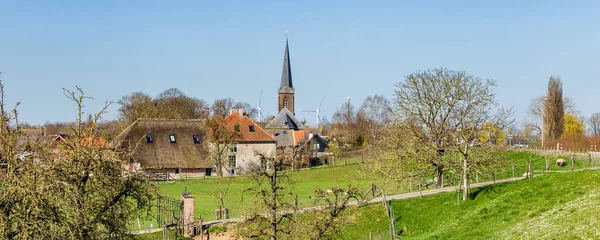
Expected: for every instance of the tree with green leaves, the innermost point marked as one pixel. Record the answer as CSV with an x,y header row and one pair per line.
x,y
554,110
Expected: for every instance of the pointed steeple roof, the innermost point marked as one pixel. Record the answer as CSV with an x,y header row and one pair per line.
x,y
285,120
286,73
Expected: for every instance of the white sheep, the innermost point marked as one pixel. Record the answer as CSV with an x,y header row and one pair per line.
x,y
561,162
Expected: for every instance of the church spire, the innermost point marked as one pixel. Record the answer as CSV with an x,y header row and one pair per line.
x,y
286,90
286,73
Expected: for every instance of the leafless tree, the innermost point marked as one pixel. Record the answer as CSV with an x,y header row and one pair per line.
x,y
80,192
433,100
374,114
594,124
170,104
221,107
535,111
271,190
345,114
218,142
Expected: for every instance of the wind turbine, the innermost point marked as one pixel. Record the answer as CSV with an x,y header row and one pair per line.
x,y
260,116
317,112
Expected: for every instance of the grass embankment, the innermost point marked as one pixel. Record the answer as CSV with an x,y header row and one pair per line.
x,y
550,206
520,158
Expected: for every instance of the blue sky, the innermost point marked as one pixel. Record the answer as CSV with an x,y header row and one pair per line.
x,y
215,49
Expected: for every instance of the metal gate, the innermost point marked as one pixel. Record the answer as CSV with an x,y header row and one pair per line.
x,y
168,210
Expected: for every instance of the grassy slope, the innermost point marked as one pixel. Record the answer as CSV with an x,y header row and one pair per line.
x,y
555,205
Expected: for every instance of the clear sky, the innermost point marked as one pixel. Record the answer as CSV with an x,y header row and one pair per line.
x,y
216,49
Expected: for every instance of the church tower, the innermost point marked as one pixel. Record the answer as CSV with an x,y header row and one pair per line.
x,y
286,90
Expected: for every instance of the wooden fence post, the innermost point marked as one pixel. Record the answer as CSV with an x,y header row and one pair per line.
x,y
572,161
513,169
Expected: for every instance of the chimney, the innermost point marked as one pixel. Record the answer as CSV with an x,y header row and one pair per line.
x,y
241,111
231,111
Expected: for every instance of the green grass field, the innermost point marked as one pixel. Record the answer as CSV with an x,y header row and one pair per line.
x,y
550,206
501,211
304,184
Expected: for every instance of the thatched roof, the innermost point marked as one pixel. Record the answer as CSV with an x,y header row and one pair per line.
x,y
161,153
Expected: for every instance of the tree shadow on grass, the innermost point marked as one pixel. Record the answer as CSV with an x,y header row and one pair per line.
x,y
485,189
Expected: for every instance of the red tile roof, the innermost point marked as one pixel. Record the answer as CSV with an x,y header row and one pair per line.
x,y
298,136
244,122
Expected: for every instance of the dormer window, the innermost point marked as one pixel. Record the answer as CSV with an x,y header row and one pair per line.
x,y
172,138
251,127
196,139
149,138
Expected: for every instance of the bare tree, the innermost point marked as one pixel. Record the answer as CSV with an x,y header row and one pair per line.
x,y
535,111
271,189
594,124
218,142
400,159
373,115
81,192
330,204
432,101
221,107
344,119
248,109
170,104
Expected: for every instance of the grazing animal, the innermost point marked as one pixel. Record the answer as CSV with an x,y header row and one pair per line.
x,y
561,162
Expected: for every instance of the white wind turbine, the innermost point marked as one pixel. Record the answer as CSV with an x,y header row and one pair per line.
x,y
317,112
260,116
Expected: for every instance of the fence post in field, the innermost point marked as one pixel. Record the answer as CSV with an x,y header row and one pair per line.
x,y
572,161
530,168
547,163
187,214
513,169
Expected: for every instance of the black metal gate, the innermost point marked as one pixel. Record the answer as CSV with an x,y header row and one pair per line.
x,y
168,210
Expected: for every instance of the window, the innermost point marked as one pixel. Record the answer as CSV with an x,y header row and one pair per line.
x,y
236,127
196,139
234,147
149,138
285,102
262,163
251,127
172,138
316,146
232,161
